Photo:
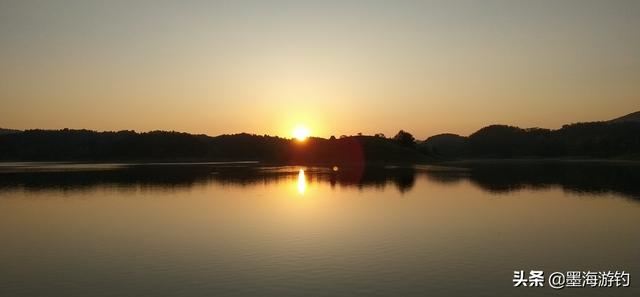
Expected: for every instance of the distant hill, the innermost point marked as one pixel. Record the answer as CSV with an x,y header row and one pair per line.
x,y
618,138
447,145
632,117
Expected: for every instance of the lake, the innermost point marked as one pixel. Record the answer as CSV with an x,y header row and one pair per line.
x,y
244,229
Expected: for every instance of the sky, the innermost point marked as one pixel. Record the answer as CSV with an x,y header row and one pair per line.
x,y
337,67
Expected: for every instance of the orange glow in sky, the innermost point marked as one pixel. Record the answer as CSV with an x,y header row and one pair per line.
x,y
342,68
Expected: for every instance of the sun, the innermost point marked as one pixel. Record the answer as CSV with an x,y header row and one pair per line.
x,y
301,133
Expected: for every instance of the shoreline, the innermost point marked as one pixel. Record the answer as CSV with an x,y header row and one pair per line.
x,y
469,161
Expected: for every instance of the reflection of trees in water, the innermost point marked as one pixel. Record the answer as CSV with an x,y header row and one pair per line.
x,y
170,177
403,178
123,178
576,177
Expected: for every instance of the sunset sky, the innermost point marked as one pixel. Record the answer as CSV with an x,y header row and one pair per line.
x,y
337,67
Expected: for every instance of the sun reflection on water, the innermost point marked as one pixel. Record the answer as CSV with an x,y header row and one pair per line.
x,y
302,182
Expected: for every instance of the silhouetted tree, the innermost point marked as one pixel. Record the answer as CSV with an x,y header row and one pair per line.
x,y
404,138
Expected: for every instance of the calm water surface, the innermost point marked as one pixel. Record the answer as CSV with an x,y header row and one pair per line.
x,y
247,230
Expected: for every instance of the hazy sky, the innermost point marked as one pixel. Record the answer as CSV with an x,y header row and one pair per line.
x,y
340,67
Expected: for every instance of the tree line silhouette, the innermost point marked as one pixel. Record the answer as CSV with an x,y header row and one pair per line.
x,y
86,145
612,139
